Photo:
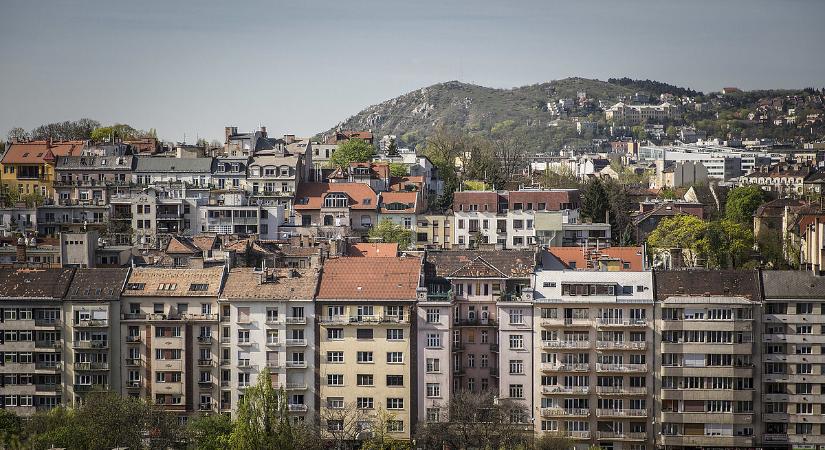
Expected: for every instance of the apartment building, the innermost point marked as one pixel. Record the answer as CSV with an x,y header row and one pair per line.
x,y
28,167
793,381
434,345
268,321
85,179
91,331
347,205
367,371
487,354
523,206
475,216
707,377
593,357
32,338
631,114
168,328
434,231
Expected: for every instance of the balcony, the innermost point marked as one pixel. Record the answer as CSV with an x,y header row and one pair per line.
x,y
774,437
296,320
621,436
576,434
297,407
48,323
334,320
56,345
272,321
296,386
564,412
296,364
226,340
477,322
274,343
205,340
133,339
601,412
556,389
50,388
91,323
134,384
133,362
620,322
204,384
613,345
204,406
93,345
244,343
273,364
296,342
621,390
90,387
565,344
91,366
245,364
206,362
621,368
553,367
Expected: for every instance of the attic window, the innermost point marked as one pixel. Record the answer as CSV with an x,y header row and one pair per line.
x,y
367,201
25,154
135,286
198,287
39,154
167,286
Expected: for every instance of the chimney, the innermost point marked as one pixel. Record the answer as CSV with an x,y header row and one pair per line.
x,y
21,251
227,131
263,131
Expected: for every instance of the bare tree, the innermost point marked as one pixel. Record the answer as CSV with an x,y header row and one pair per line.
x,y
345,427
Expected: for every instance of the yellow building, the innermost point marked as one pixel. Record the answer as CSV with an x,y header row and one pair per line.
x,y
366,347
28,167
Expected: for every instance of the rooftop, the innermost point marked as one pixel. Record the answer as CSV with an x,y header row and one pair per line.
x,y
699,283
101,284
373,250
362,279
38,152
272,284
166,282
480,264
49,284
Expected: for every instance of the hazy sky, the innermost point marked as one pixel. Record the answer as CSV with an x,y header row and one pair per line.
x,y
301,66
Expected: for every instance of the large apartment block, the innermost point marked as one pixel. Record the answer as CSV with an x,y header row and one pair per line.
x,y
367,371
706,371
593,357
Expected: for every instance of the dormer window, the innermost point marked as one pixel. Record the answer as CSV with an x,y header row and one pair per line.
x,y
367,201
221,168
336,200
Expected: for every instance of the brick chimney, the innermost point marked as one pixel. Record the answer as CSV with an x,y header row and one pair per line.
x,y
229,131
21,251
263,131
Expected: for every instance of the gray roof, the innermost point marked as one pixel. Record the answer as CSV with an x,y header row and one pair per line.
x,y
101,284
792,284
95,162
179,165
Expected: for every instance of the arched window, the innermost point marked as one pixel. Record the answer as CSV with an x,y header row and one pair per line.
x,y
336,200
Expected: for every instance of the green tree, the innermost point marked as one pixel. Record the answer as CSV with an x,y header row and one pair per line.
x,y
716,245
11,429
262,418
619,207
595,201
683,232
742,203
561,178
398,170
443,147
18,134
209,432
667,193
118,131
351,150
551,441
388,231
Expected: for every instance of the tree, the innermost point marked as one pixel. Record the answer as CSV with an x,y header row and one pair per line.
x,y
389,231
262,418
116,132
510,150
11,429
209,432
595,201
344,427
64,131
683,232
743,202
398,170
19,134
716,245
551,441
477,420
351,150
442,148
619,207
561,178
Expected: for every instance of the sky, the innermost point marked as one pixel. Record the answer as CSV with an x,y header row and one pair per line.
x,y
188,68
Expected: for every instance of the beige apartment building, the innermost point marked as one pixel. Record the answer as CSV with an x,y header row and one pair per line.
x,y
169,346
707,374
793,355
593,357
366,375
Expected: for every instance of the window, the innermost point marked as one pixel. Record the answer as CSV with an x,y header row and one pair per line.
x,y
395,357
433,414
335,379
433,390
395,334
364,333
433,340
516,317
433,365
395,380
364,357
395,403
364,403
199,287
243,336
516,391
335,357
334,425
516,341
395,426
433,315
364,379
335,334
516,367
335,402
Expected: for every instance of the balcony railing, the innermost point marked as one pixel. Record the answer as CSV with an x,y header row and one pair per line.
x,y
555,389
297,407
553,367
133,339
619,435
91,323
620,322
48,365
296,320
296,364
565,344
561,412
57,344
273,364
97,345
134,384
621,367
206,362
296,342
91,366
296,386
204,340
47,322
602,412
621,390
605,345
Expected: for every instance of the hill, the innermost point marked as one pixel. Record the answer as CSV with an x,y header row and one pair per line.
x,y
477,109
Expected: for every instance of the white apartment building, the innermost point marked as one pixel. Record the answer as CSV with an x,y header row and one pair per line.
x,y
268,322
434,317
622,112
593,357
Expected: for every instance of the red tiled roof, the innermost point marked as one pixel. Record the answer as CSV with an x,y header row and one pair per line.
x,y
486,201
577,255
373,250
39,152
379,170
400,183
368,279
407,198
311,195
